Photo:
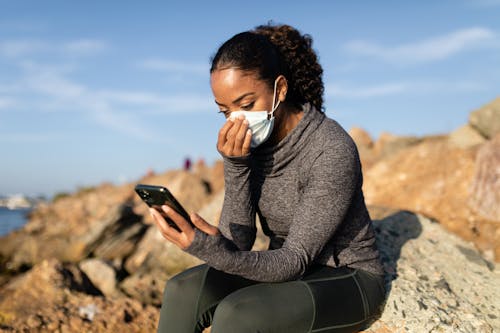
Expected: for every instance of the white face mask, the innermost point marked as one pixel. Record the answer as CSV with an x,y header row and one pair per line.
x,y
261,123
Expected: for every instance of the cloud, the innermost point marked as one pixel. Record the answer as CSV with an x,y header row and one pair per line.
x,y
400,88
428,50
16,48
173,66
28,137
85,46
24,47
7,103
158,104
51,89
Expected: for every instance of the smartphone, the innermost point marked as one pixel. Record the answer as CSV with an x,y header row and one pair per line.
x,y
156,196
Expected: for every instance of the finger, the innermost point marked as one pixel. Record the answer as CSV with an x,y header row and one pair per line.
x,y
180,221
231,135
165,229
240,137
247,142
223,133
203,225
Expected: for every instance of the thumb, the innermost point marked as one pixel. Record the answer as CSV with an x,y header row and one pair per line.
x,y
203,225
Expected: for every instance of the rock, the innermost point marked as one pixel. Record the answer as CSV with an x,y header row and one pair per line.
x,y
388,144
70,228
117,235
433,178
364,143
465,137
146,285
155,252
426,293
155,259
214,176
50,298
484,195
487,119
102,276
361,137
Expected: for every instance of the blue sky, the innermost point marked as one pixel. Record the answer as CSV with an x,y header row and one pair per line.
x,y
94,91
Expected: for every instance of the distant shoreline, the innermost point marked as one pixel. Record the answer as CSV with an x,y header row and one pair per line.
x,y
11,219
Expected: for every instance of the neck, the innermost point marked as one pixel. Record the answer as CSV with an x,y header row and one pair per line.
x,y
286,119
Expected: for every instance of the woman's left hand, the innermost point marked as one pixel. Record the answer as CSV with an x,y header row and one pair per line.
x,y
185,236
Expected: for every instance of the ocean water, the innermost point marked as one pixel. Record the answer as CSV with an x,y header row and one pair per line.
x,y
11,219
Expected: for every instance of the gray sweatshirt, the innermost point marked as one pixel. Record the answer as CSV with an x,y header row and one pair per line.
x,y
307,192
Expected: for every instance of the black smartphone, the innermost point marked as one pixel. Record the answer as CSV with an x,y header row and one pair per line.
x,y
155,196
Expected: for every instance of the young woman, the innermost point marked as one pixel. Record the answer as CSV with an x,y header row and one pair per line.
x,y
300,172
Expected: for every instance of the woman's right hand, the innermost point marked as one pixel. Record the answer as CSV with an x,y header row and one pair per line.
x,y
234,137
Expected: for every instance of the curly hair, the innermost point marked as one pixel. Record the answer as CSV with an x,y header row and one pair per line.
x,y
273,50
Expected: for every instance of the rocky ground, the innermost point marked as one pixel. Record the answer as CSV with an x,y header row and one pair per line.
x,y
92,261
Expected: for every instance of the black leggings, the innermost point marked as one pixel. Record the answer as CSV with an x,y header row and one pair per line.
x,y
325,300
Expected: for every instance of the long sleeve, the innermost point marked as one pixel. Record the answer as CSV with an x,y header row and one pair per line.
x,y
237,222
333,177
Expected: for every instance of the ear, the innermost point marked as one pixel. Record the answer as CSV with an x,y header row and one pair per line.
x,y
281,88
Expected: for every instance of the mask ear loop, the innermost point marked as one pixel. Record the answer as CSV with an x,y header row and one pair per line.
x,y
274,107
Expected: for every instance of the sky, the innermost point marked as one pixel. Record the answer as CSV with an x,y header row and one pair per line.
x,y
102,91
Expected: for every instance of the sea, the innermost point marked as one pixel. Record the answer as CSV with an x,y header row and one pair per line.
x,y
11,219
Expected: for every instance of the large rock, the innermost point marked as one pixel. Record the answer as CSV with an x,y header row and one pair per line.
x,y
152,264
487,119
53,297
433,178
386,145
102,276
73,227
437,282
485,189
466,136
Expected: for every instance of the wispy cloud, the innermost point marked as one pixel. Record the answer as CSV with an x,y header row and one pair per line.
x,y
16,48
52,89
400,88
6,103
28,137
85,46
174,66
23,47
428,50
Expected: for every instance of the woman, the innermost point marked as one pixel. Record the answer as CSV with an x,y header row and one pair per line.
x,y
300,172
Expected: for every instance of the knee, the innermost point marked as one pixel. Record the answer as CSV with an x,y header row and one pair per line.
x,y
235,315
185,280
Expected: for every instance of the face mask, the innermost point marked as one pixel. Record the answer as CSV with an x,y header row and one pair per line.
x,y
261,123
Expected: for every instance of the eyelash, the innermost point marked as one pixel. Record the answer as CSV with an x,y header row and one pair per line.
x,y
245,107
248,106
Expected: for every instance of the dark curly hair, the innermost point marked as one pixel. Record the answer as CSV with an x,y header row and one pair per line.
x,y
273,50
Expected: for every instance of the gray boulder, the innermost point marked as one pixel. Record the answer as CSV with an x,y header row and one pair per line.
x,y
436,281
487,119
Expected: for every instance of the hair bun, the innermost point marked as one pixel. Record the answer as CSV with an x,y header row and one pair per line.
x,y
303,72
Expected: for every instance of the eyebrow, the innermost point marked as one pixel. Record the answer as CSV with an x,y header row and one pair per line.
x,y
237,99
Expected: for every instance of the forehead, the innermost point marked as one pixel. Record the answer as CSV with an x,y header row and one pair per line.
x,y
232,82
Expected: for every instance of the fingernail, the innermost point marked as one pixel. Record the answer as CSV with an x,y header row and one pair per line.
x,y
165,208
245,121
249,131
241,117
